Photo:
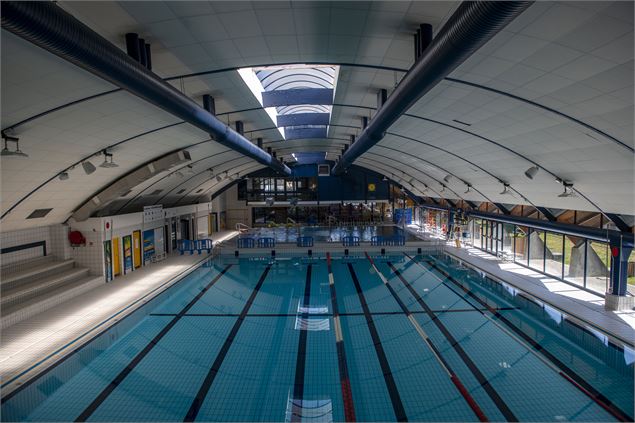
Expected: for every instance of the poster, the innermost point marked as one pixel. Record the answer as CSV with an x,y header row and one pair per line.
x,y
108,260
127,254
159,246
148,245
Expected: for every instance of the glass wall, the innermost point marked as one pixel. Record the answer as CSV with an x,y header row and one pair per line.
x,y
554,254
537,249
576,260
598,266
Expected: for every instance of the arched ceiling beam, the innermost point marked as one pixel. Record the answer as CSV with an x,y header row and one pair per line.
x,y
235,169
546,108
245,171
140,194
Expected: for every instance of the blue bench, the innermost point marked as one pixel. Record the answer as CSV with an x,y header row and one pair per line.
x,y
185,245
245,243
204,244
350,241
266,242
305,241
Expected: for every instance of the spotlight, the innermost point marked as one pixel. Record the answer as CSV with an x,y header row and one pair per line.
x,y
468,188
107,163
531,172
568,190
17,151
88,167
506,190
219,178
190,170
384,179
447,178
63,176
442,188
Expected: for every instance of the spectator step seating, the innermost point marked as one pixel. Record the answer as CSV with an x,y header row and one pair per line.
x,y
39,284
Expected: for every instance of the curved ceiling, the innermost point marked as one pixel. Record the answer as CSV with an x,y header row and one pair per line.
x,y
554,89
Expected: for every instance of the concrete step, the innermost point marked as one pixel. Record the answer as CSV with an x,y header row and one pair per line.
x,y
17,312
38,270
27,289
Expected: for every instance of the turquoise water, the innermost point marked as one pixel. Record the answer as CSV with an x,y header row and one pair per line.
x,y
398,338
330,234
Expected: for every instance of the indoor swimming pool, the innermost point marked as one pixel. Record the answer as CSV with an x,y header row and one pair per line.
x,y
332,338
330,233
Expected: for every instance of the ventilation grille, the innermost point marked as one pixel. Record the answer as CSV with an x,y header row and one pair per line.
x,y
181,191
156,192
199,190
39,213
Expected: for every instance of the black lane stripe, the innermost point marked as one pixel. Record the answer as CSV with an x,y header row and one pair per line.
x,y
395,398
453,376
345,382
195,407
482,380
300,363
88,411
566,371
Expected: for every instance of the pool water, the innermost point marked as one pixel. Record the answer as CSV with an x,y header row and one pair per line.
x,y
330,234
390,338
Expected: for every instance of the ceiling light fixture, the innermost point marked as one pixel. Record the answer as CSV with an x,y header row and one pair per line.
x,y
442,188
63,176
190,169
468,188
447,178
107,163
88,167
531,172
505,190
568,190
219,178
384,179
17,151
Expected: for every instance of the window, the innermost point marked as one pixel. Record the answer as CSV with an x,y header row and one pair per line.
x,y
554,254
598,265
508,239
521,244
537,249
574,259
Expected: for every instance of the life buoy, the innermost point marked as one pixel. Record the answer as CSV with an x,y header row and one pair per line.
x,y
76,238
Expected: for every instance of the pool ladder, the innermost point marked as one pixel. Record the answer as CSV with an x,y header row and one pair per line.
x,y
241,227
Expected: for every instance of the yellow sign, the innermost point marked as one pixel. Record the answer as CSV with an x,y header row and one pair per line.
x,y
371,187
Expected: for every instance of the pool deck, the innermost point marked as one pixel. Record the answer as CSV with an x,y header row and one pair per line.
x,y
32,345
573,301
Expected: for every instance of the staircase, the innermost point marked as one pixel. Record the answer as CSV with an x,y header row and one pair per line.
x,y
39,285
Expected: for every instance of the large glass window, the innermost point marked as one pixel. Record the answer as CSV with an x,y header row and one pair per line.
x,y
508,239
574,259
537,249
598,264
554,254
477,230
521,246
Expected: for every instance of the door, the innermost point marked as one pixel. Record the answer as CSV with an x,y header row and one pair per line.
x,y
185,229
136,248
116,263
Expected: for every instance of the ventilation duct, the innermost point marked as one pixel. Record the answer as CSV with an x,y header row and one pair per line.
x,y
467,30
48,26
128,182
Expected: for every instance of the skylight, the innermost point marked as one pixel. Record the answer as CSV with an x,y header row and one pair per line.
x,y
297,98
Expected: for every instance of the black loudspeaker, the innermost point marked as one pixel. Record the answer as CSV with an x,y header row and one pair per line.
x,y
346,252
236,253
383,251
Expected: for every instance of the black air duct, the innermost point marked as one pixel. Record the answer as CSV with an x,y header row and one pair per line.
x,y
48,26
468,29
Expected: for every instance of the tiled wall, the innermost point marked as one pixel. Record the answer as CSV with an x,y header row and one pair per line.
x,y
60,245
11,261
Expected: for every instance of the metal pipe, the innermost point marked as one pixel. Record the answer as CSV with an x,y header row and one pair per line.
x,y
468,29
48,26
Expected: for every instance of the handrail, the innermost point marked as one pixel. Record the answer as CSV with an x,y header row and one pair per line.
x,y
240,227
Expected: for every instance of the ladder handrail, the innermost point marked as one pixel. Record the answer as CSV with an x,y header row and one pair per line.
x,y
240,227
